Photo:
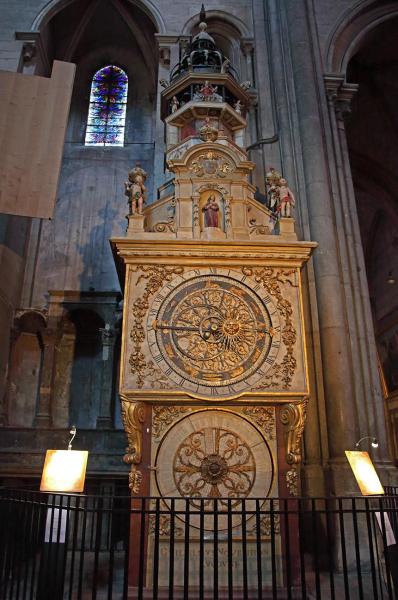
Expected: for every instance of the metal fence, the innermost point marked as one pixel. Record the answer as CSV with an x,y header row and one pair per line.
x,y
57,547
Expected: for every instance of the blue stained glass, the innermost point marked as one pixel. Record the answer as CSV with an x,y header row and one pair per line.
x,y
107,110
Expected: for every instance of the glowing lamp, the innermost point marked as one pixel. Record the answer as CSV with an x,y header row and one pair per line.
x,y
364,473
64,470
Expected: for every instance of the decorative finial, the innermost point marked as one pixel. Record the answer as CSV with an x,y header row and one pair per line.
x,y
202,16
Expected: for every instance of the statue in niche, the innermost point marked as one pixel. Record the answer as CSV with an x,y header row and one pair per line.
x,y
135,190
211,211
238,107
174,104
207,93
286,198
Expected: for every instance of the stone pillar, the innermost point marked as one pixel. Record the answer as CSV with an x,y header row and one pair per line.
x,y
368,397
168,55
105,417
341,414
43,415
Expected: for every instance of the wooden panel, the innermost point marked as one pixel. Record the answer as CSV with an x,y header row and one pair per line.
x,y
33,117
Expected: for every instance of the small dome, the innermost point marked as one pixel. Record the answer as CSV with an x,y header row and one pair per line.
x,y
202,35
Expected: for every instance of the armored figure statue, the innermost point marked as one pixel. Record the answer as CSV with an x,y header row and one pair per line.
x,y
135,190
286,198
280,197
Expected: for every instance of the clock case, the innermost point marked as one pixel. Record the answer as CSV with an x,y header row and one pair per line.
x,y
149,396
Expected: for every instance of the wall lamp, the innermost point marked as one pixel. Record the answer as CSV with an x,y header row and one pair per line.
x,y
375,443
64,470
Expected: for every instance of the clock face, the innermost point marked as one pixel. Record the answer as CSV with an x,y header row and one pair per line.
x,y
213,333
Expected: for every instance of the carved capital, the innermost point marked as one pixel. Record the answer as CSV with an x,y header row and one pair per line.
x,y
293,417
340,95
133,416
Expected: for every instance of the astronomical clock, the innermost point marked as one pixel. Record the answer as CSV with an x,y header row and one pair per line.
x,y
213,380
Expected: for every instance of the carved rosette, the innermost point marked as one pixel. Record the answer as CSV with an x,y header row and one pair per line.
x,y
293,417
156,276
281,373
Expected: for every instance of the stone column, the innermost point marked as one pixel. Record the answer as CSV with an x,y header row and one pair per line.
x,y
369,399
43,417
335,341
168,56
105,417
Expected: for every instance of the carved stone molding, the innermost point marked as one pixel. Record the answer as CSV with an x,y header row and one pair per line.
x,y
293,417
133,416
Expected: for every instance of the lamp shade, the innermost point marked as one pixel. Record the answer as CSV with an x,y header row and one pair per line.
x,y
365,473
64,471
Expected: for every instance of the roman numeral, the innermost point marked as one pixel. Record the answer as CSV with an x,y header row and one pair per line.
x,y
269,360
213,270
158,358
267,299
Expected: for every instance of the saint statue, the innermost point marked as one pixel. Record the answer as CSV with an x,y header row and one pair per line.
x,y
211,210
135,190
174,104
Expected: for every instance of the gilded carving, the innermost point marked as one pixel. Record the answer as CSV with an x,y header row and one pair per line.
x,y
265,525
264,418
281,373
211,163
164,526
293,418
214,463
135,480
292,481
156,276
163,416
133,416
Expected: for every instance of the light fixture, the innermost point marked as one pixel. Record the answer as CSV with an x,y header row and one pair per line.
x,y
375,443
364,473
390,278
64,470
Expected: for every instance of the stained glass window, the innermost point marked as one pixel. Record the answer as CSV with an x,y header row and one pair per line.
x,y
107,111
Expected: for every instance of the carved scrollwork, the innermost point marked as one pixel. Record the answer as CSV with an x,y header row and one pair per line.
x,y
156,276
265,525
264,418
293,417
163,416
135,480
162,226
257,228
281,373
165,526
133,416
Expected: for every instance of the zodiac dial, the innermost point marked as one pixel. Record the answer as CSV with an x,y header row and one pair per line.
x,y
213,334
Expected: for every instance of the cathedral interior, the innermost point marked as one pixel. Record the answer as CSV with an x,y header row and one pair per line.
x,y
197,257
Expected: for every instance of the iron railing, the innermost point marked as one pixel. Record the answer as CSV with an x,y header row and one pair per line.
x,y
57,547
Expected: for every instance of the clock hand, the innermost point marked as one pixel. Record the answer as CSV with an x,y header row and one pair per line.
x,y
164,325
